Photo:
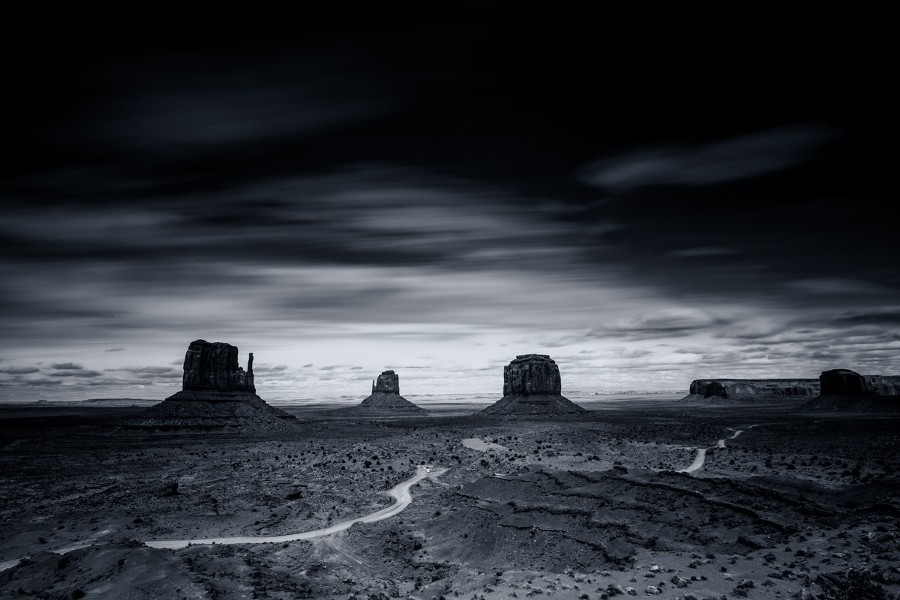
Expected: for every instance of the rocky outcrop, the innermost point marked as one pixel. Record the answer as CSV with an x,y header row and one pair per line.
x,y
844,390
532,387
214,366
217,394
844,382
388,383
530,375
386,397
754,388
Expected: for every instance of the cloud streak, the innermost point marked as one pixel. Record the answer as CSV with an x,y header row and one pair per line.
x,y
67,366
19,370
729,160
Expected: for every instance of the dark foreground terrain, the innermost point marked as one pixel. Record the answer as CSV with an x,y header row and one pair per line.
x,y
797,506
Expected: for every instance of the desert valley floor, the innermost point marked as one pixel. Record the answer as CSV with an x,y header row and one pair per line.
x,y
795,505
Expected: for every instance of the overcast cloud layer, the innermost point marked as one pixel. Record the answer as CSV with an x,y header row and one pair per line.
x,y
436,193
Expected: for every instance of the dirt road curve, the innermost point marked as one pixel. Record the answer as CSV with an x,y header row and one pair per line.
x,y
700,458
400,493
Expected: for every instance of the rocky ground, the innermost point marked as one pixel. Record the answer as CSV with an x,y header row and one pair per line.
x,y
799,505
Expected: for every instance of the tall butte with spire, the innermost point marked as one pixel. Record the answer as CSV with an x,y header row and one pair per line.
x,y
532,387
211,368
216,393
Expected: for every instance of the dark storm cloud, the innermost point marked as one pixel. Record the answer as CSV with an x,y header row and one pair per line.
x,y
256,156
66,366
882,320
666,323
150,372
889,318
263,368
199,115
79,373
701,252
634,353
757,333
368,216
158,376
820,355
835,287
820,342
147,370
19,370
728,160
39,382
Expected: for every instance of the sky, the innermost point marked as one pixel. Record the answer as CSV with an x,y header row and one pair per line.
x,y
435,190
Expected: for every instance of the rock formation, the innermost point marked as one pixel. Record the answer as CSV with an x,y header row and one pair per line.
x,y
531,374
532,387
216,394
844,382
387,383
754,388
844,390
386,396
214,366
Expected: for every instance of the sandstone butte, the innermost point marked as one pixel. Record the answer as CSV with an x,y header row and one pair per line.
x,y
386,396
532,387
216,393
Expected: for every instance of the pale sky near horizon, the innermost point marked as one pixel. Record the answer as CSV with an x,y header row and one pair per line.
x,y
435,194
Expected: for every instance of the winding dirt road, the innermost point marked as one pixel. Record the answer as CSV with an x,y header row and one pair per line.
x,y
400,493
700,458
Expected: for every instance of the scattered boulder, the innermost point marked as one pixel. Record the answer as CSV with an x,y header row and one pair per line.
x,y
855,584
216,394
754,388
532,387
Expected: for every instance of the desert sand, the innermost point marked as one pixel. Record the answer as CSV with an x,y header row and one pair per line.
x,y
783,503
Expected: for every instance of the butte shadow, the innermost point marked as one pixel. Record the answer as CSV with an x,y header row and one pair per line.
x,y
532,388
216,394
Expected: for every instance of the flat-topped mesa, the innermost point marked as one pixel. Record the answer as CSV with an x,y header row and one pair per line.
x,y
386,397
531,374
387,383
214,366
847,383
755,388
532,387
